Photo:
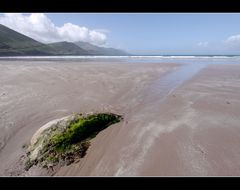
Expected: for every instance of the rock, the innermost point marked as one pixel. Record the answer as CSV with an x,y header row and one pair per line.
x,y
41,138
50,165
69,161
64,139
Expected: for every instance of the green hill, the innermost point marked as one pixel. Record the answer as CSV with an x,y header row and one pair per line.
x,y
96,50
13,43
68,48
12,39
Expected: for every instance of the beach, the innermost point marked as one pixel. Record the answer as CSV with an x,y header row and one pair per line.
x,y
34,93
175,124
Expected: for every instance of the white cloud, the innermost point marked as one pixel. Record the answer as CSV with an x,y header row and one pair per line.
x,y
233,40
202,44
38,26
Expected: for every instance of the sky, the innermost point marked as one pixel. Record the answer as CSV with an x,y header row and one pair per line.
x,y
143,34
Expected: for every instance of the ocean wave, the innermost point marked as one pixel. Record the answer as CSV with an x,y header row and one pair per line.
x,y
122,57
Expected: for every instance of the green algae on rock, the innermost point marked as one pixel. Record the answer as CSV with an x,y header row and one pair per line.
x,y
66,140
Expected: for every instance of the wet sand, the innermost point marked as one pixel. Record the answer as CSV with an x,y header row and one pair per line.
x,y
34,93
169,129
194,131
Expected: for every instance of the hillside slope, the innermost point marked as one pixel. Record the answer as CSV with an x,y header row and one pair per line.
x,y
13,43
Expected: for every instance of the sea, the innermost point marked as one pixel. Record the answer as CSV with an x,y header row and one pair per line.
x,y
196,59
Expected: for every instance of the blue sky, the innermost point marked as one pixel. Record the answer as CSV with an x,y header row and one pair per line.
x,y
157,33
